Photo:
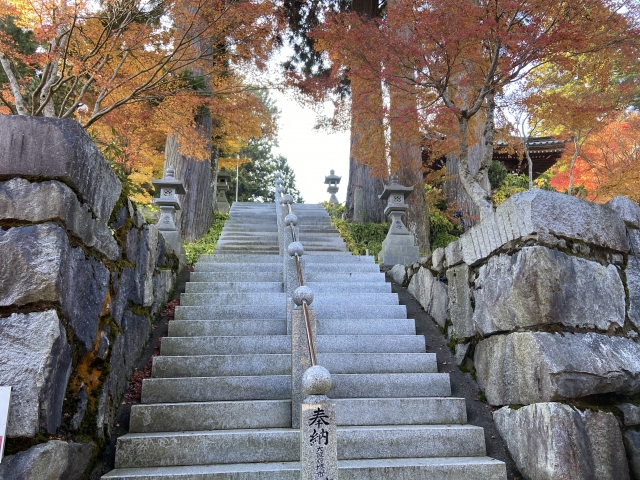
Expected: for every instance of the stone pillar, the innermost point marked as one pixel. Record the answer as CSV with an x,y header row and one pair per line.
x,y
358,205
318,440
399,247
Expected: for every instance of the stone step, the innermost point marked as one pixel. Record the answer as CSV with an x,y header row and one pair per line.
x,y
449,468
225,312
282,445
242,345
280,364
200,416
229,258
346,287
238,267
204,328
232,277
342,277
233,298
278,387
219,287
267,299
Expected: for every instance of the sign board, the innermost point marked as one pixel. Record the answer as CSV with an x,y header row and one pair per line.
x,y
5,399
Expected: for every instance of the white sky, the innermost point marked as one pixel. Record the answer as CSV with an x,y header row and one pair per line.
x,y
311,153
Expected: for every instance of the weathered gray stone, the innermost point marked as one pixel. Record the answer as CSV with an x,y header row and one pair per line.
x,y
461,352
431,293
453,254
542,286
633,285
30,261
634,241
35,360
437,259
399,274
103,345
631,439
631,414
460,310
53,460
50,201
626,209
551,441
58,149
528,367
84,285
398,249
540,211
136,334
83,401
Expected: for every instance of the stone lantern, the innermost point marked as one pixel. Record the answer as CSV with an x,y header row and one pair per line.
x,y
399,246
332,180
168,187
224,182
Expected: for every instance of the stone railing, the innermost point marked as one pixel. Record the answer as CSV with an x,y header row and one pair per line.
x,y
82,276
311,410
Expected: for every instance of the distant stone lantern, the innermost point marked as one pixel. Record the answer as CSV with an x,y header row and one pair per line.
x,y
168,187
224,184
332,180
399,246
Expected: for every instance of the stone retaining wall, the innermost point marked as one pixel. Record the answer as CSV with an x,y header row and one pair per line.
x,y
541,301
82,277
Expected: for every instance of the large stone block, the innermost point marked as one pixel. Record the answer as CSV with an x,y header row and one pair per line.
x,y
631,439
627,209
460,310
31,258
399,274
529,367
542,286
633,285
431,293
53,460
84,284
58,149
35,359
51,201
399,250
38,265
550,441
136,330
142,250
540,211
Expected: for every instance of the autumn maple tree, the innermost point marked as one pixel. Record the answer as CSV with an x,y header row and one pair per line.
x,y
459,55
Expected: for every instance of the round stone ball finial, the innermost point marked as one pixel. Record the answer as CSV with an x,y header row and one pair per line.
x,y
291,219
316,381
278,174
295,248
279,188
278,181
286,199
302,294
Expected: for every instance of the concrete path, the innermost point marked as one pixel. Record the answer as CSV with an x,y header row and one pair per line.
x,y
219,403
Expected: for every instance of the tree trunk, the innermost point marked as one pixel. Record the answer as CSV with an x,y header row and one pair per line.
x,y
367,158
196,216
480,196
406,160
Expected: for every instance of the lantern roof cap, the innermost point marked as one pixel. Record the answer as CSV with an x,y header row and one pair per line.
x,y
169,181
332,178
394,187
224,174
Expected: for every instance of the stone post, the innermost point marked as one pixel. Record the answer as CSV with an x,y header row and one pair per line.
x,y
318,440
222,204
300,356
399,247
332,180
167,188
279,189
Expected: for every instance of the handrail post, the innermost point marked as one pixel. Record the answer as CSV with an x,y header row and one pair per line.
x,y
300,359
318,440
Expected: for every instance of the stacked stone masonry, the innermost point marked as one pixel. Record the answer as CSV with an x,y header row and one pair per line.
x,y
541,301
81,279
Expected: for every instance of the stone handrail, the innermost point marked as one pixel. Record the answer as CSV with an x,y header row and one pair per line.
x,y
311,410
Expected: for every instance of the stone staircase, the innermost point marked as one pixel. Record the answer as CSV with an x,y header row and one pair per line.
x,y
218,405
